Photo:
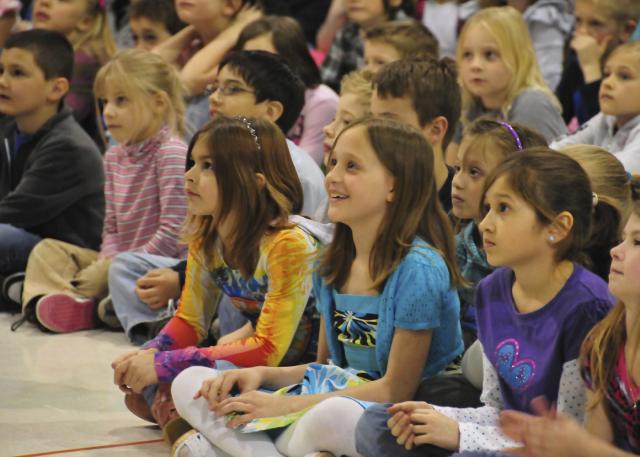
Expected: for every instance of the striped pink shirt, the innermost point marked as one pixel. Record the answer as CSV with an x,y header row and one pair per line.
x,y
145,200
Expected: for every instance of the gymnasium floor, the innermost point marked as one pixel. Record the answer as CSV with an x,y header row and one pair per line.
x,y
57,397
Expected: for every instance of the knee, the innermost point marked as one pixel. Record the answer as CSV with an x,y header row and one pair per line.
x,y
337,414
371,425
187,383
123,265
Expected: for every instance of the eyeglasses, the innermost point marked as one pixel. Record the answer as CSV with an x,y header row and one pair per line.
x,y
226,91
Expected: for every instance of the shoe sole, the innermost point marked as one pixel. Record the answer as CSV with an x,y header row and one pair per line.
x,y
64,314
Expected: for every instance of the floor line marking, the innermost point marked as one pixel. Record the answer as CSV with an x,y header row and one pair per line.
x,y
92,448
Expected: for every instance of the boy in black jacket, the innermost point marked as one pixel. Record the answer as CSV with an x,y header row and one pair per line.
x,y
51,174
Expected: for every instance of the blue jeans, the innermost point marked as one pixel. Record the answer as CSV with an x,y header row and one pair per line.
x,y
126,268
15,246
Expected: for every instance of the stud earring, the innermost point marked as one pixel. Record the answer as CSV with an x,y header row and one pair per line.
x,y
552,238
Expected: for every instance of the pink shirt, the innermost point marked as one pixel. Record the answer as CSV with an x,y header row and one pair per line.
x,y
145,199
319,110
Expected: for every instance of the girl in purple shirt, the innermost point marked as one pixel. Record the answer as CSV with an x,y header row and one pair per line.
x,y
532,313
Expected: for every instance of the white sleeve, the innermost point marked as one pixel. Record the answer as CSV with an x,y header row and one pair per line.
x,y
572,393
478,427
584,135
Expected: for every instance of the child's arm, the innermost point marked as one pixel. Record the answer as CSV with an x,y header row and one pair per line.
x,y
109,246
169,167
202,68
336,18
171,49
289,272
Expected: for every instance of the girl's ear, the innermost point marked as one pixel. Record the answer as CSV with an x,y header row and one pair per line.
x,y
560,227
85,24
274,110
262,181
391,185
160,103
627,30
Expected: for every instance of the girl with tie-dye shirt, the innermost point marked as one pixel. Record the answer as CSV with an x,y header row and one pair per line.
x,y
532,314
242,188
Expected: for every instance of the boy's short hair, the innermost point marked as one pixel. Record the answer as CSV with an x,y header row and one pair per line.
x,y
409,37
271,79
621,11
432,86
162,11
51,51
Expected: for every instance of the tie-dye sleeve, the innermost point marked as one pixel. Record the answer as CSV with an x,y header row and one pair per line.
x,y
287,261
198,305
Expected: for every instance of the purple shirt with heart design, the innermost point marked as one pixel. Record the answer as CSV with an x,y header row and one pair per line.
x,y
529,350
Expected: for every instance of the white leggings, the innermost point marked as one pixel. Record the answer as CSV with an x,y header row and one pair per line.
x,y
328,426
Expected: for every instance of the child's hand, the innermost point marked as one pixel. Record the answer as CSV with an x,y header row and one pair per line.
x,y
157,287
217,389
590,53
253,405
133,371
400,422
247,15
431,427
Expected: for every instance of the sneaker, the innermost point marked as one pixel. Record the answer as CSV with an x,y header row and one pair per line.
x,y
11,293
63,313
107,314
193,444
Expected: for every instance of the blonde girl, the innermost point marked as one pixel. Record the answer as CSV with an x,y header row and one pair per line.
x,y
145,202
85,24
500,76
356,89
387,273
610,358
610,183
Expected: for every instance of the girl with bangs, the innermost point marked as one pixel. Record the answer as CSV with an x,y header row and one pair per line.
x,y
385,288
533,311
242,191
500,76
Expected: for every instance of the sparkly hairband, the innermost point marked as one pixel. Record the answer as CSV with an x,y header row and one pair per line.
x,y
102,4
513,133
251,130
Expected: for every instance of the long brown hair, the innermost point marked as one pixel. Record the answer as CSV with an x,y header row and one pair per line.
x,y
600,347
238,154
414,211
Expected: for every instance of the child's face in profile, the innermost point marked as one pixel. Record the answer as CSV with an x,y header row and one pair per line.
x,y
594,22
201,184
625,264
620,88
147,34
483,71
378,53
475,161
24,91
511,232
349,108
359,186
234,97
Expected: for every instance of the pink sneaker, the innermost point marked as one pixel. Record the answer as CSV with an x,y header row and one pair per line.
x,y
63,313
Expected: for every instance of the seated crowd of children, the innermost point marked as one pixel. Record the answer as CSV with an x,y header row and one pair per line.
x,y
325,238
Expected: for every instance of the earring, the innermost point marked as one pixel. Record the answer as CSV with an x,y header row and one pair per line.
x,y
552,238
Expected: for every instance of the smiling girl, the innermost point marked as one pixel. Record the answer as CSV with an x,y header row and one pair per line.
x,y
389,310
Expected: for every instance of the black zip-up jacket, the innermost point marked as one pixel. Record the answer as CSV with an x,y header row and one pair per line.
x,y
54,185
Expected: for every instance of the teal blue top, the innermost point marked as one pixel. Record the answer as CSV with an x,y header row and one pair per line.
x,y
356,322
417,296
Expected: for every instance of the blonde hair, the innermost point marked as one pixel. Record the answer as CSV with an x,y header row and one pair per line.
x,y
360,84
138,72
98,40
620,11
633,46
506,26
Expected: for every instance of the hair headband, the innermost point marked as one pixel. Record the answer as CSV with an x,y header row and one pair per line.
x,y
102,4
251,130
513,133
